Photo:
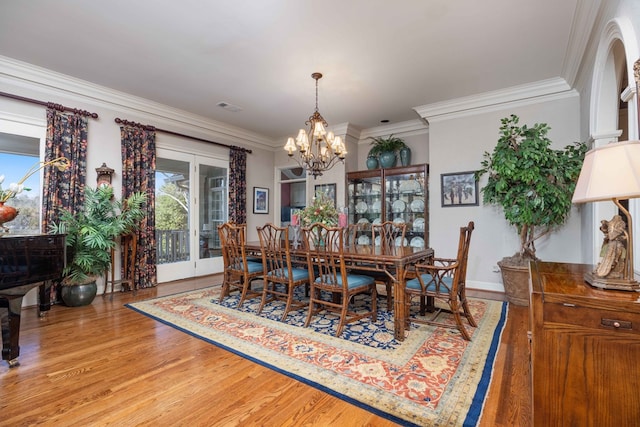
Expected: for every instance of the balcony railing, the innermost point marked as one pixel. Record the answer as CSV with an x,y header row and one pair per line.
x,y
172,246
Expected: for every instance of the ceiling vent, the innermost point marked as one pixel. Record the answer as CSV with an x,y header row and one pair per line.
x,y
229,107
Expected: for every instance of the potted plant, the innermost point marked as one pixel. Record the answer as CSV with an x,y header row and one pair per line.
x,y
533,184
91,234
385,150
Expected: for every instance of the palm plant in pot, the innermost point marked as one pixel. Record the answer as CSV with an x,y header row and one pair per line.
x,y
91,234
533,184
385,150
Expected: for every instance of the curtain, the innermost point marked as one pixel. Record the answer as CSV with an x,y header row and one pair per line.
x,y
238,185
138,174
66,136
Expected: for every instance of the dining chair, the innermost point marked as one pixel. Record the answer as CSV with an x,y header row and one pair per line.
x,y
282,271
444,280
239,272
332,286
388,235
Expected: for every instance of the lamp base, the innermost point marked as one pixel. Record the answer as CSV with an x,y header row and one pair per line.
x,y
605,283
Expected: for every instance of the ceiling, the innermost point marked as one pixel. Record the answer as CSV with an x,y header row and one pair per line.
x,y
379,58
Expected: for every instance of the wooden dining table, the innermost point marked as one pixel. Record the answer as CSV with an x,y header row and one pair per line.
x,y
392,261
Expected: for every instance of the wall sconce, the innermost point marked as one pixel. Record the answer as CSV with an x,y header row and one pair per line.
x,y
612,172
104,176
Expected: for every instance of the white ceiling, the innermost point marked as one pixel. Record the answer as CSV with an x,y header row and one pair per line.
x,y
380,58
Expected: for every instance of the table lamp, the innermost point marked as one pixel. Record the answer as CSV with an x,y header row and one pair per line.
x,y
612,172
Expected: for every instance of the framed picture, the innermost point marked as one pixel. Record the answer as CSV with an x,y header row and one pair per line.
x,y
327,190
260,200
459,189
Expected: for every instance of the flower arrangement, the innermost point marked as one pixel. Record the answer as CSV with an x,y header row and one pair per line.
x,y
321,210
62,163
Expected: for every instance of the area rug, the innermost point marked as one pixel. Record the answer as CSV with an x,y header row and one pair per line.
x,y
433,377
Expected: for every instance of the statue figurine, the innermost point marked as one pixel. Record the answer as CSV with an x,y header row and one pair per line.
x,y
613,255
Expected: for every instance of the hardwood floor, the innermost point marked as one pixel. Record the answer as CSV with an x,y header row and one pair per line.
x,y
104,364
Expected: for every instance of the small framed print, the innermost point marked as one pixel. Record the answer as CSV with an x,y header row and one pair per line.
x,y
326,190
260,200
459,189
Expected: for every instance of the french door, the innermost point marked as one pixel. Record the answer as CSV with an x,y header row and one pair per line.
x,y
191,201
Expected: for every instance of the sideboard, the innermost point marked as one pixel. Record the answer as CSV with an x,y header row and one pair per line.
x,y
585,350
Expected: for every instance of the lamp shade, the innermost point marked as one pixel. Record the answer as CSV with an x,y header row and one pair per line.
x,y
608,172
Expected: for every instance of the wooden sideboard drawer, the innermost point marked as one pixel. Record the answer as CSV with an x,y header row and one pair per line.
x,y
584,317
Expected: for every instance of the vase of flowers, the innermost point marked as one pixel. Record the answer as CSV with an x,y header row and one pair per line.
x,y
9,213
321,210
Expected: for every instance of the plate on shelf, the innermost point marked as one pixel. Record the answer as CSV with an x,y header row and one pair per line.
x,y
417,242
398,206
377,221
418,224
410,186
398,220
363,221
364,240
377,241
361,207
401,241
376,207
417,205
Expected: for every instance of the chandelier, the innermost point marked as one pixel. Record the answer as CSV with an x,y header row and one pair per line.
x,y
319,150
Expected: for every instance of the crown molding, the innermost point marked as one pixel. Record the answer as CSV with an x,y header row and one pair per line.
x,y
583,23
544,90
49,82
406,128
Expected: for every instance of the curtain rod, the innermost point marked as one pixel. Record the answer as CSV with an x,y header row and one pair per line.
x,y
58,107
170,132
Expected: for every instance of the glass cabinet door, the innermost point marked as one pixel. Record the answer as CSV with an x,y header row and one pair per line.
x,y
365,202
406,197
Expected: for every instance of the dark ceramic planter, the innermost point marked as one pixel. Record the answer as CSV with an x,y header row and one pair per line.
x,y
372,163
387,159
78,295
405,156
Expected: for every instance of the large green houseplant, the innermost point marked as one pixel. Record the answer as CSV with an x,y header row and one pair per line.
x,y
385,149
92,233
533,184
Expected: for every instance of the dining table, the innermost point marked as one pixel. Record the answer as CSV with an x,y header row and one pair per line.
x,y
393,261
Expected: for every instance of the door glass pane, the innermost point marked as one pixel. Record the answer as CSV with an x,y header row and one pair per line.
x,y
172,210
293,192
28,203
213,208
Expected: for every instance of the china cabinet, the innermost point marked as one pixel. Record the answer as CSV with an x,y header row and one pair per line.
x,y
397,194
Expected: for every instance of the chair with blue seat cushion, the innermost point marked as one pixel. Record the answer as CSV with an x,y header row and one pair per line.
x,y
444,280
332,287
239,272
283,272
387,235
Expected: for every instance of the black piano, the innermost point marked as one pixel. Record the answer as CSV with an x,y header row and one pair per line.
x,y
26,261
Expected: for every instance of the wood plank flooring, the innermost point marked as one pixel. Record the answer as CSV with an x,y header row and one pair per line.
x,y
104,364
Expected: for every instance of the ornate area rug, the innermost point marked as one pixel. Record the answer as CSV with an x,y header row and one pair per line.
x,y
433,377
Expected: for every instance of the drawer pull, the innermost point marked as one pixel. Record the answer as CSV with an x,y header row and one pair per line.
x,y
618,324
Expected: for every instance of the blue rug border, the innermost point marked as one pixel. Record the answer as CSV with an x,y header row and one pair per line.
x,y
477,403
471,419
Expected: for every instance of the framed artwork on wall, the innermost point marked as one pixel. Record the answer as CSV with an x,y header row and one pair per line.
x,y
260,200
326,190
459,189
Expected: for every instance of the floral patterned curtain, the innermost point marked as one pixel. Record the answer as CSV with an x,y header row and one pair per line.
x,y
238,185
66,136
138,174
